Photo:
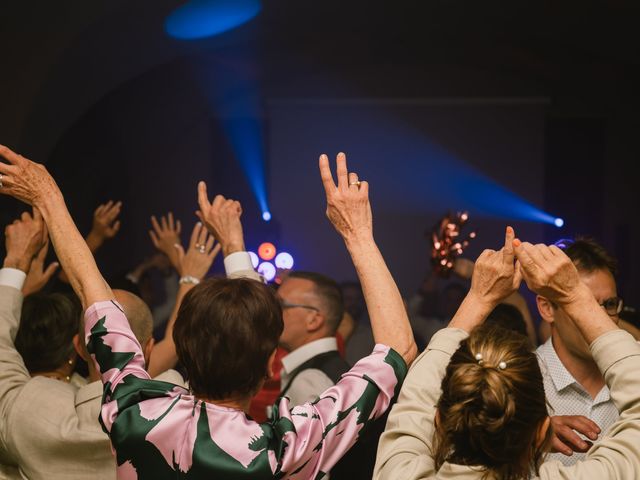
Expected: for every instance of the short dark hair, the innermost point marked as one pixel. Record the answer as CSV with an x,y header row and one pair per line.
x,y
47,326
587,254
509,317
330,295
225,332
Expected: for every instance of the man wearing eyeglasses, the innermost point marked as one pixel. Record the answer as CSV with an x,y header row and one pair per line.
x,y
312,309
578,399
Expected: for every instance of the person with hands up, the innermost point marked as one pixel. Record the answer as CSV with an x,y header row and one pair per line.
x,y
473,403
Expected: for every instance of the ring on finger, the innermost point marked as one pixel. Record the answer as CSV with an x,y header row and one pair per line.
x,y
202,249
0,180
357,183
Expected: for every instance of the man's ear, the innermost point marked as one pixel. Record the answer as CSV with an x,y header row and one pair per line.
x,y
315,322
80,350
546,309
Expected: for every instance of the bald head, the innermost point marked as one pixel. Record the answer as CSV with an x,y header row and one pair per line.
x,y
137,313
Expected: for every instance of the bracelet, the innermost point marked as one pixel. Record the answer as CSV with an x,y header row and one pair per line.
x,y
189,279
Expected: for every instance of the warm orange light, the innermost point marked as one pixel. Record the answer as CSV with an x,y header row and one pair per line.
x,y
267,251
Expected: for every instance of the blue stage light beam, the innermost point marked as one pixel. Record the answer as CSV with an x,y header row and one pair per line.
x,y
231,84
205,18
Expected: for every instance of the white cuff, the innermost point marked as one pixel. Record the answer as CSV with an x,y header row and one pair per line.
x,y
236,262
12,277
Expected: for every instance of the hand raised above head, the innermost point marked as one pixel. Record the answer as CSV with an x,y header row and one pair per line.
x,y
24,238
25,180
105,220
201,253
548,271
165,235
348,206
222,219
495,275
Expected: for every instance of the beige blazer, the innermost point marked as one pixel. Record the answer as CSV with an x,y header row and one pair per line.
x,y
403,450
49,429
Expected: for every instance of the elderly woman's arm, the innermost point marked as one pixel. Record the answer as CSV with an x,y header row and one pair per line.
x,y
349,210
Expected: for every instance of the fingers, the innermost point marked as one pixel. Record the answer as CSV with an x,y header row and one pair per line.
x,y
195,234
171,223
202,235
180,252
116,227
567,440
325,174
203,199
42,254
507,251
163,222
209,243
154,239
11,156
110,214
216,250
155,224
51,269
178,227
341,171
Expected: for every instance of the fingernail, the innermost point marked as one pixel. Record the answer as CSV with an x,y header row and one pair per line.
x,y
509,230
323,157
199,224
341,154
516,242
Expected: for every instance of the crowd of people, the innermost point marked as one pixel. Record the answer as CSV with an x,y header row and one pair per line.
x,y
231,377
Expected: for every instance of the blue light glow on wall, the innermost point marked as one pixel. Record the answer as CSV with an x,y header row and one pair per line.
x,y
205,18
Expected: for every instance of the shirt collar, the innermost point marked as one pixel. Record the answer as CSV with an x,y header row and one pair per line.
x,y
555,368
301,354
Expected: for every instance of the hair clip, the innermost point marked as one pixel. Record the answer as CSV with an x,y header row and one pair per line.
x,y
479,358
502,365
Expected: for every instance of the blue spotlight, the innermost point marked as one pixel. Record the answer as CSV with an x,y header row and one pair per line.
x,y
205,18
266,216
558,222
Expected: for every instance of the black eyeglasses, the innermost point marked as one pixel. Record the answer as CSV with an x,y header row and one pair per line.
x,y
613,306
284,304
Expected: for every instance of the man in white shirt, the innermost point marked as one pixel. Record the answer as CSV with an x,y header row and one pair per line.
x,y
574,386
312,309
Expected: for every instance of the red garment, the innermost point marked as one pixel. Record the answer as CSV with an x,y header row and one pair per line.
x,y
267,396
341,346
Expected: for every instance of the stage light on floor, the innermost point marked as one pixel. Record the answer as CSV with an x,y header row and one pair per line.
x,y
558,222
254,259
284,261
267,270
266,251
266,216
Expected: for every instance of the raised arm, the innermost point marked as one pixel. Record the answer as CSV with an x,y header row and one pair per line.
x,y
23,238
222,219
31,183
404,450
349,211
192,267
549,272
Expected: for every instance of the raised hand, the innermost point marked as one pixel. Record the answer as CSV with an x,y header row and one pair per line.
x,y
26,180
348,206
495,275
105,223
548,271
201,253
38,275
222,219
165,236
24,238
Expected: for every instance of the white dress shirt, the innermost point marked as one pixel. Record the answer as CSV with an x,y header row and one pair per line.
x,y
565,396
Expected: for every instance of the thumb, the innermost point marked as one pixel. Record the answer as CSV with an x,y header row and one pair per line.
x,y
51,269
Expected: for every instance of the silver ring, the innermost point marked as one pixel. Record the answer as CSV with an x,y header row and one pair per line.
x,y
0,180
202,249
